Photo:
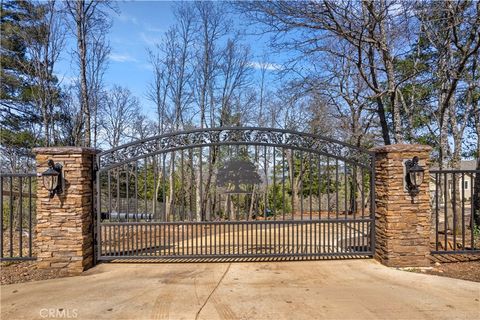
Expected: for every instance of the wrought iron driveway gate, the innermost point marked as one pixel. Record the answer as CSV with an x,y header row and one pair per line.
x,y
234,193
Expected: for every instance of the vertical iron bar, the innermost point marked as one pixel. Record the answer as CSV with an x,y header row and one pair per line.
x,y
20,217
11,217
437,185
182,185
1,217
124,240
327,225
155,237
292,181
283,184
472,214
145,200
164,201
266,182
109,192
372,206
274,187
127,183
119,209
463,211
137,238
363,192
301,203
346,189
29,217
129,241
201,183
454,208
445,222
114,238
310,169
353,208
238,207
172,174
252,242
301,186
163,225
319,189
192,187
336,205
344,226
110,243
136,185
155,190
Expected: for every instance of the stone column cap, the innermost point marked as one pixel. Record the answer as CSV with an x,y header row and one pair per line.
x,y
65,150
402,147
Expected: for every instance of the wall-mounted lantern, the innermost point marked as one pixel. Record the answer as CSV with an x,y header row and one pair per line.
x,y
414,176
52,178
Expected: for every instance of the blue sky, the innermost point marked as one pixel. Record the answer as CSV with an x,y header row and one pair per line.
x,y
138,26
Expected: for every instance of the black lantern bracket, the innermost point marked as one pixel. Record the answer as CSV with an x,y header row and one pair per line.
x,y
414,175
53,178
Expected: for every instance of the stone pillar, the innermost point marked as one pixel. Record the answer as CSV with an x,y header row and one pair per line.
x,y
402,227
64,240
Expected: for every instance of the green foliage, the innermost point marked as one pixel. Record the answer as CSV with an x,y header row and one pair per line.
x,y
279,200
22,86
15,70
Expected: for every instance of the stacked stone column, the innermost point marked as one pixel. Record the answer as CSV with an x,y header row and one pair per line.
x,y
402,225
64,238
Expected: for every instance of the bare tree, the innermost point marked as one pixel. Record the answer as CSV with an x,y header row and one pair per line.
x,y
141,127
159,89
96,66
90,20
234,76
372,29
453,31
69,119
212,25
120,112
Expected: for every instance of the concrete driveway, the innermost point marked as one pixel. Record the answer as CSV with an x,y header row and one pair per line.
x,y
341,289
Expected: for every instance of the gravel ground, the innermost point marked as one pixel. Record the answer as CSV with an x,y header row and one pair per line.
x,y
16,272
469,270
465,267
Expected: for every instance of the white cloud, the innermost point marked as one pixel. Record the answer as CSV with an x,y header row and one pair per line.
x,y
121,57
151,28
127,18
66,80
266,65
146,66
150,40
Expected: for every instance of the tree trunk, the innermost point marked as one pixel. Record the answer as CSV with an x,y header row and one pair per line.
x,y
252,203
378,99
388,61
294,181
82,52
199,195
171,188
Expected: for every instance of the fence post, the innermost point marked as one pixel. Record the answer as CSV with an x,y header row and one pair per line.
x,y
64,240
402,227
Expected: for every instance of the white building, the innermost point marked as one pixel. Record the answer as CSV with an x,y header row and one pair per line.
x,y
465,182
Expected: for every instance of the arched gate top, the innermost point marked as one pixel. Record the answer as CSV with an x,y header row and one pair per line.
x,y
234,136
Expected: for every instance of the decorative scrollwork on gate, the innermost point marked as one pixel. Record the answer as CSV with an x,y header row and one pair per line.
x,y
238,136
